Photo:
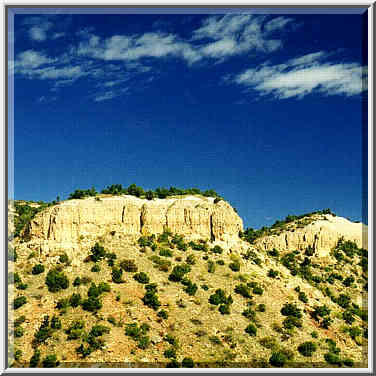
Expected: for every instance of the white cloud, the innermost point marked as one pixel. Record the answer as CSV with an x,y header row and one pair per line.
x,y
110,94
39,32
57,35
277,24
304,75
30,59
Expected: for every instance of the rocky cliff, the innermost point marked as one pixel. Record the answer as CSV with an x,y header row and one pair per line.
x,y
192,216
322,234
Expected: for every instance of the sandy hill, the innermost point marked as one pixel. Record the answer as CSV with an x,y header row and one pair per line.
x,y
118,281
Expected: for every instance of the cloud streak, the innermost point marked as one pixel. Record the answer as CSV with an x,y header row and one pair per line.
x,y
305,75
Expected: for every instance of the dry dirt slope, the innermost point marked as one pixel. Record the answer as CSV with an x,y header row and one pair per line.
x,y
175,322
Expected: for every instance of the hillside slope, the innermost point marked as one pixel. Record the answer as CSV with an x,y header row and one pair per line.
x,y
175,295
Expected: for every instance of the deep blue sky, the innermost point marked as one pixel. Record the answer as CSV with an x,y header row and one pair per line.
x,y
264,109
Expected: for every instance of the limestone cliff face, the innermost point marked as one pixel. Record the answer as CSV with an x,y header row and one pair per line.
x,y
322,235
90,218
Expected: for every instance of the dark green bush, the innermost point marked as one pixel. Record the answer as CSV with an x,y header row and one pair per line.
x,y
303,297
20,320
348,362
251,330
50,361
273,253
170,353
290,309
96,268
211,266
55,323
258,290
243,290
272,273
307,348
220,262
75,300
205,287
42,333
348,317
22,286
56,280
34,360
178,272
188,363
165,252
349,281
249,314
261,308
278,359
13,278
64,258
191,288
116,275
320,312
290,322
128,266
151,300
333,359
77,282
163,314
97,253
92,304
314,334
224,309
218,297
99,330
343,300
18,331
37,269
141,277
19,302
143,342
217,249
234,266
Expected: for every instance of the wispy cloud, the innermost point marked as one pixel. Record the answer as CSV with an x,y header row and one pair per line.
x,y
304,75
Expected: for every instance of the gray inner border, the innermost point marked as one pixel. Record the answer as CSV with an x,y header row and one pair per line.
x,y
10,10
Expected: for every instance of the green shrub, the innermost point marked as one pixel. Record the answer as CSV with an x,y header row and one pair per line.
x,y
333,359
97,253
314,334
348,362
92,304
178,272
141,277
273,253
99,330
77,282
20,320
170,353
278,359
50,361
261,308
349,281
224,309
34,360
56,280
17,354
303,297
64,258
290,322
13,278
290,309
143,342
55,323
62,305
321,311
249,314
18,331
37,269
151,300
307,348
218,297
234,266
128,266
269,342
348,317
19,302
75,300
22,286
258,290
163,314
273,273
205,287
188,363
116,275
96,268
354,332
217,249
165,252
220,262
191,288
211,266
243,290
44,332
251,330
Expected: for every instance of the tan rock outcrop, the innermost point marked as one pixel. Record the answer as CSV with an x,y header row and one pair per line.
x,y
191,216
322,235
